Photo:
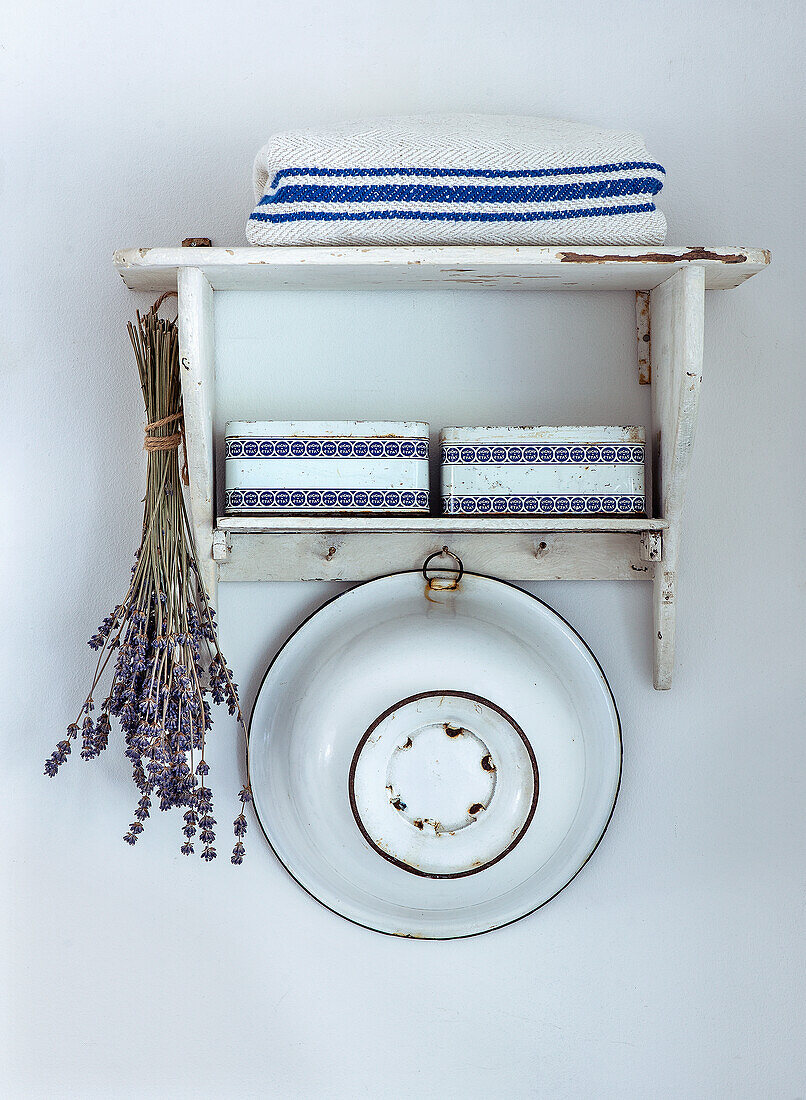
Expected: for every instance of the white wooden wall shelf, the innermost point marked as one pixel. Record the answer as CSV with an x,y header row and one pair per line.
x,y
669,286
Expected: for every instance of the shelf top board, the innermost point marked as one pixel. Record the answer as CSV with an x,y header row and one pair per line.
x,y
436,525
414,267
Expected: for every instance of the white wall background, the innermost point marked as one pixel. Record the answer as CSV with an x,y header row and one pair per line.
x,y
673,966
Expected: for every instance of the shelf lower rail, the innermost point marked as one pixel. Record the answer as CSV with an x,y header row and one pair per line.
x,y
273,548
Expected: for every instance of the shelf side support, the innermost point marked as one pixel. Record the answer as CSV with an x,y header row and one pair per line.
x,y
197,372
678,314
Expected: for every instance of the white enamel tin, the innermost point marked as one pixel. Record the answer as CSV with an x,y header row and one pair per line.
x,y
434,763
543,471
326,467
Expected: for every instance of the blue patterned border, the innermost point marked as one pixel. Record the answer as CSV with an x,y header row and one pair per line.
x,y
337,447
546,504
536,454
326,500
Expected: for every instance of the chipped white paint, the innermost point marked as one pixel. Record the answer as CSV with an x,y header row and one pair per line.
x,y
361,555
436,267
651,545
643,337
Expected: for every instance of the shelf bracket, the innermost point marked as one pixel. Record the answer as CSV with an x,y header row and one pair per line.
x,y
678,316
651,546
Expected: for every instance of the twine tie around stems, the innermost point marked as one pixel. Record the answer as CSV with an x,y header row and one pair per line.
x,y
164,442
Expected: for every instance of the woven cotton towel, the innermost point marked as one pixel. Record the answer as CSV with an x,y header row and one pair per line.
x,y
466,179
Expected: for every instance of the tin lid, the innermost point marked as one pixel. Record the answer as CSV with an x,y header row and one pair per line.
x,y
564,433
327,429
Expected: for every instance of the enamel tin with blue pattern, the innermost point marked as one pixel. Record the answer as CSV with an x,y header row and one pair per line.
x,y
326,467
572,471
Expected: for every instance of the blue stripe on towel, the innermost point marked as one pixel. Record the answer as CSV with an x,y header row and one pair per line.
x,y
449,215
479,173
419,192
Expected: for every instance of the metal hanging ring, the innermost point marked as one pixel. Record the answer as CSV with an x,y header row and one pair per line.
x,y
457,572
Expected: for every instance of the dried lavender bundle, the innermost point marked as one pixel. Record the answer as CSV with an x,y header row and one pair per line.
x,y
163,635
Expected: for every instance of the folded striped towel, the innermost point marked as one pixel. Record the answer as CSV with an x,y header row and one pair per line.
x,y
466,179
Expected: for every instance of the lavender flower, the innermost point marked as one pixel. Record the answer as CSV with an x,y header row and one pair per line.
x,y
88,739
102,730
98,639
160,643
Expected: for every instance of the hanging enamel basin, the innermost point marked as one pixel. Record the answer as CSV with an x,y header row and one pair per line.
x,y
434,763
